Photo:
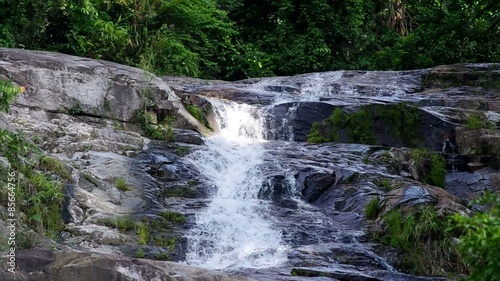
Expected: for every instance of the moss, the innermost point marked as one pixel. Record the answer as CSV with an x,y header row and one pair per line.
x,y
122,184
140,252
372,209
357,125
455,77
335,121
402,119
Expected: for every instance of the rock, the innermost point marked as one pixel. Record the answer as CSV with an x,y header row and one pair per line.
x,y
404,198
316,184
481,142
66,84
47,265
478,75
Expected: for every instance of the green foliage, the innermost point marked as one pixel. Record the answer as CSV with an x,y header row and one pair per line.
x,y
122,184
162,257
438,171
123,224
39,196
143,233
75,109
56,166
196,112
163,131
165,242
183,150
383,183
8,92
433,166
173,217
420,234
140,252
240,39
372,209
314,135
479,241
358,125
402,119
477,122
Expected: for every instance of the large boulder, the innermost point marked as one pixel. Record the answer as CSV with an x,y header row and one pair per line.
x,y
62,83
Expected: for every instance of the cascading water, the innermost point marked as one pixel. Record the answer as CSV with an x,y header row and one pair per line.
x,y
234,230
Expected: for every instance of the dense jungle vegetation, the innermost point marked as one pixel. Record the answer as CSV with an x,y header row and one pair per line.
x,y
237,39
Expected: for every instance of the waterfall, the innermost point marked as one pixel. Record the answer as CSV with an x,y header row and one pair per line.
x,y
234,230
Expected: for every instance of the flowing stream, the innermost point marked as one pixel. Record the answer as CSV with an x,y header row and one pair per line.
x,y
235,229
259,220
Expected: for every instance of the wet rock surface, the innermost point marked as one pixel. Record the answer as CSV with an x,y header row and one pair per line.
x,y
46,265
318,191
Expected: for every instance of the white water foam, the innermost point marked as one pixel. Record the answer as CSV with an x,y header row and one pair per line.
x,y
234,230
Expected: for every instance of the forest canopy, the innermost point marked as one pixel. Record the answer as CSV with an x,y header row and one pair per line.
x,y
235,39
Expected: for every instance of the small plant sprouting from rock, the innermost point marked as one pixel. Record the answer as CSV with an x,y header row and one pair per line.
x,y
432,165
314,135
163,131
76,109
8,92
475,122
123,224
196,112
183,150
372,209
142,233
357,125
384,183
56,166
122,184
173,217
421,234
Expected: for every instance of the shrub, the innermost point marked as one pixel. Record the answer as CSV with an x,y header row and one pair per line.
x,y
122,184
8,93
479,241
421,234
